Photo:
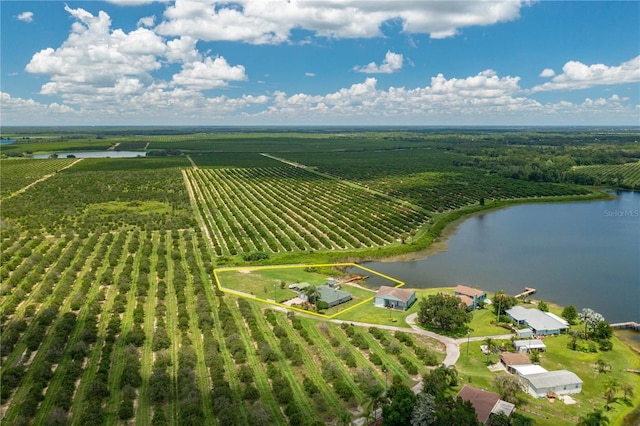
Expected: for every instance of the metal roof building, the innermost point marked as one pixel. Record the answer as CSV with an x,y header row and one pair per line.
x,y
529,345
560,382
540,322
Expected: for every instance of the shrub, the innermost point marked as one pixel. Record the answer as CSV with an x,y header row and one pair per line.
x,y
375,359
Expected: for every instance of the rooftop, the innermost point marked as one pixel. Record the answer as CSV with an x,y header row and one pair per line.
x,y
527,370
551,379
532,344
397,293
331,295
536,319
485,403
465,299
514,358
468,291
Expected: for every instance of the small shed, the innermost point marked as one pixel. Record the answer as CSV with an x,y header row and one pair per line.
x,y
525,333
394,298
561,382
529,345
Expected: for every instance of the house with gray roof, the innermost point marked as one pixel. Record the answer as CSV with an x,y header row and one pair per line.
x,y
539,322
394,298
333,296
560,382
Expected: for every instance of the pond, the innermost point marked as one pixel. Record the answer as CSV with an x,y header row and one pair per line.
x,y
6,141
586,254
95,154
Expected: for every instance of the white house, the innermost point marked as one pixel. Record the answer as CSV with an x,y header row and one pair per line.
x,y
560,382
541,323
529,345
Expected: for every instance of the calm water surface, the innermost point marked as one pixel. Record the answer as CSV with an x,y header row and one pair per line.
x,y
96,154
586,254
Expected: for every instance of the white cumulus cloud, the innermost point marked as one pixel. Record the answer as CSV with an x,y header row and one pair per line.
x,y
96,57
25,17
576,75
547,72
271,21
392,62
209,74
147,21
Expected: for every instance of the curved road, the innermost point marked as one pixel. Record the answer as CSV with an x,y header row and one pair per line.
x,y
452,347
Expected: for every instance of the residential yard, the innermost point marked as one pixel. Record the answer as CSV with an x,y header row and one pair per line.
x,y
481,325
373,315
473,370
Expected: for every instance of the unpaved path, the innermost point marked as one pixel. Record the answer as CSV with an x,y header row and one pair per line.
x,y
42,179
452,347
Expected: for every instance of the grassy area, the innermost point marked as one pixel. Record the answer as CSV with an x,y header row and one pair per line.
x,y
373,315
481,325
267,283
473,370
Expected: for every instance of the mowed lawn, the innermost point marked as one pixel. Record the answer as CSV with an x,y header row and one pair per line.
x,y
370,314
472,366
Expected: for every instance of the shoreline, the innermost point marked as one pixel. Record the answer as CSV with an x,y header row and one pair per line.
x,y
450,225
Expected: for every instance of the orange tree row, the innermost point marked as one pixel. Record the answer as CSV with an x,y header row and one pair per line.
x,y
286,208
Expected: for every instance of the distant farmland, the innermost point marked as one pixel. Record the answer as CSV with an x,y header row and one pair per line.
x,y
109,312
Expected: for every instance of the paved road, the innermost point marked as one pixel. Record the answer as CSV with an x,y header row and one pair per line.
x,y
452,347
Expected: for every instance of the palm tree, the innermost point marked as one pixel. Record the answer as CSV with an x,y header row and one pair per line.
x,y
627,389
610,389
584,317
344,419
490,346
312,293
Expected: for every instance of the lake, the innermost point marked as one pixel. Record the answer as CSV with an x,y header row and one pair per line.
x,y
6,141
95,154
586,254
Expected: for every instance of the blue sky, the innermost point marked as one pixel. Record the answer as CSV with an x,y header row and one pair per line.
x,y
298,62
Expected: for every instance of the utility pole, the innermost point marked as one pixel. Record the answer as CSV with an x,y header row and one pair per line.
x,y
385,380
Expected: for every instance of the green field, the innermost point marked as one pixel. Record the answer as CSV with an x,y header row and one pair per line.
x,y
110,311
618,175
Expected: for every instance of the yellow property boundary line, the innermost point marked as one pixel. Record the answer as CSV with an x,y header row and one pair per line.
x,y
257,268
